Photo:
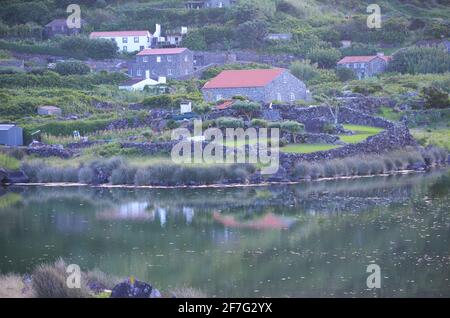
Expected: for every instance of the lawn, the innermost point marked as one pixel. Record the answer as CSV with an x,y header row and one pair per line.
x,y
361,133
9,163
306,148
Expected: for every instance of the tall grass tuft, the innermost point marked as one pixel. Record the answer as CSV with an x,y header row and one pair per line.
x,y
49,281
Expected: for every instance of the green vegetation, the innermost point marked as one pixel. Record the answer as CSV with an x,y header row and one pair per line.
x,y
361,133
369,165
437,137
306,148
8,162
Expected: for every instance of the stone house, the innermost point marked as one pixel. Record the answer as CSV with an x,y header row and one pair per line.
x,y
435,43
127,41
59,27
365,66
261,85
170,63
201,4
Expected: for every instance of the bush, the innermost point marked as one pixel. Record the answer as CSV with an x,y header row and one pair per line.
x,y
257,122
229,122
304,71
421,60
292,126
325,58
435,97
72,68
248,109
86,175
345,74
123,175
9,163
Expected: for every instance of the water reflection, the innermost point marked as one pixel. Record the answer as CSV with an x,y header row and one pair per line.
x,y
312,239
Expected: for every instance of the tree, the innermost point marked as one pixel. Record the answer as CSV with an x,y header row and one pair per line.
x,y
304,70
345,74
421,60
195,40
251,34
246,108
72,68
325,58
293,127
333,105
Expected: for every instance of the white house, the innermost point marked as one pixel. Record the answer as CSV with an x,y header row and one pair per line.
x,y
127,41
138,84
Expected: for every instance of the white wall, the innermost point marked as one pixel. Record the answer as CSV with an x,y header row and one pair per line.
x,y
131,46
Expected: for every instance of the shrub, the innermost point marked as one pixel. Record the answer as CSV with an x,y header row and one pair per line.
x,y
292,126
376,166
31,169
421,60
316,171
86,175
142,177
70,174
257,122
123,175
329,169
72,68
351,166
435,97
8,162
345,74
247,109
49,174
304,71
362,168
389,164
229,122
325,58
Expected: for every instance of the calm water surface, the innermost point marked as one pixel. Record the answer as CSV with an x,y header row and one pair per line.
x,y
311,239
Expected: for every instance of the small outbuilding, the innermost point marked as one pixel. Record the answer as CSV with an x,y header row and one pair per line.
x,y
11,135
49,110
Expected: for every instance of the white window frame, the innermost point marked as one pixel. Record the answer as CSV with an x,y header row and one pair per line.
x,y
292,97
125,39
185,58
125,48
169,71
279,97
136,39
145,59
169,58
158,59
138,72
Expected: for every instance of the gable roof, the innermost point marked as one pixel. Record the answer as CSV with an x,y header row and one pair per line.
x,y
363,59
244,78
176,50
119,33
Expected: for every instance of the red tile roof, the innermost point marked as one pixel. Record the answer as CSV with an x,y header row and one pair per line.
x,y
225,105
244,78
162,51
362,59
119,33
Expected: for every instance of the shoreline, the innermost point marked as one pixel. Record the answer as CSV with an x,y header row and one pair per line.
x,y
218,185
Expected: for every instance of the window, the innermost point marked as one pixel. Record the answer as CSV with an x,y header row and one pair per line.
x,y
279,97
125,40
292,97
169,71
169,58
218,97
136,39
113,39
145,59
138,72
186,72
158,59
141,48
125,49
185,58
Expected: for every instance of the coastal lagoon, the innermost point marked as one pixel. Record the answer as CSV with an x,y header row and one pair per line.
x,y
304,240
